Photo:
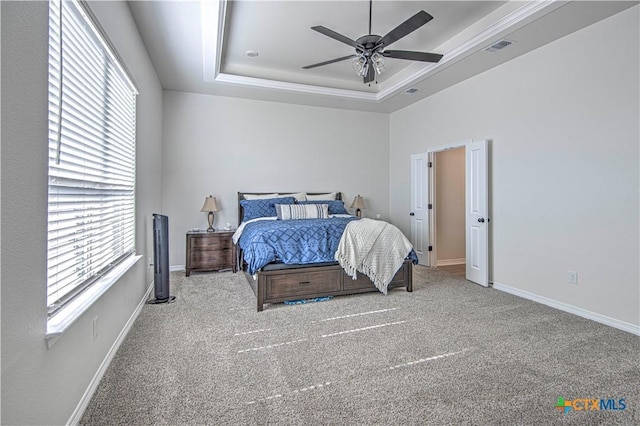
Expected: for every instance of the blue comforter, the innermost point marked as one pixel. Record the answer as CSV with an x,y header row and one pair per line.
x,y
293,241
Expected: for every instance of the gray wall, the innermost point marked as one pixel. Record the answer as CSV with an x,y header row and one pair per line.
x,y
565,164
218,146
40,385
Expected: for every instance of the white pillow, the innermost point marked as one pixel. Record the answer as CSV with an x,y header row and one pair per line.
x,y
302,211
299,196
329,196
259,196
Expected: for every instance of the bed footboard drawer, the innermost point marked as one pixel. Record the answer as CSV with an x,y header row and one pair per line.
x,y
401,275
361,282
301,284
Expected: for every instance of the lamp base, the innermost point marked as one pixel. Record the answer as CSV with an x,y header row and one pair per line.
x,y
359,213
210,218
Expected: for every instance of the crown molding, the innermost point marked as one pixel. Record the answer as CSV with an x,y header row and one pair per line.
x,y
212,54
295,87
212,17
511,22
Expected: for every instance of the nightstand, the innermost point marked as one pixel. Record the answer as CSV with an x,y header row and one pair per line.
x,y
210,251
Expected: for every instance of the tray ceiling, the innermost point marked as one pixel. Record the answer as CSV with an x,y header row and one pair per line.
x,y
202,47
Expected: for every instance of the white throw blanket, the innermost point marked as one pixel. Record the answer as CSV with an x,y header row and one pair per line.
x,y
373,247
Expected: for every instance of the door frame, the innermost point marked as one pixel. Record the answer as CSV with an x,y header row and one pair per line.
x,y
431,194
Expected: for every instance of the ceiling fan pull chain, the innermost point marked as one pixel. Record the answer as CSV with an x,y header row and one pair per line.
x,y
370,7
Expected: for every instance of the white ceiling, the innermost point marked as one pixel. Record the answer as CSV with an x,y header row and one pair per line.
x,y
211,58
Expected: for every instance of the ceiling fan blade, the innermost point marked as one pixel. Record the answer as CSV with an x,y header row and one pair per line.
x,y
334,35
412,56
319,64
407,27
371,74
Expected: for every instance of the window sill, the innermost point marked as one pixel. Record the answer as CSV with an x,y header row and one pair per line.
x,y
60,322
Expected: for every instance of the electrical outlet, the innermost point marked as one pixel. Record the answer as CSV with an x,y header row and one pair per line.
x,y
573,277
95,328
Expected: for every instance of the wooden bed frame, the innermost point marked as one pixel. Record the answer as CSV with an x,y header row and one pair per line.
x,y
278,282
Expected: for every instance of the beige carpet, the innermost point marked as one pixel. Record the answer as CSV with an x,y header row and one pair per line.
x,y
451,352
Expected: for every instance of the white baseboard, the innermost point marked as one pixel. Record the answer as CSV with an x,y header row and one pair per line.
x,y
602,319
177,268
447,262
76,416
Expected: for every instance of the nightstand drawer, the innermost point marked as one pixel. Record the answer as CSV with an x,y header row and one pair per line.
x,y
213,242
202,259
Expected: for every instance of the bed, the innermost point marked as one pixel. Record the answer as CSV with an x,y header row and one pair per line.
x,y
278,270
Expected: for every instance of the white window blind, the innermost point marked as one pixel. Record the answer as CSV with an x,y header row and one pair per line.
x,y
92,126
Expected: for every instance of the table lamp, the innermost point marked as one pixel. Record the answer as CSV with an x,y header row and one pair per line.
x,y
358,203
210,206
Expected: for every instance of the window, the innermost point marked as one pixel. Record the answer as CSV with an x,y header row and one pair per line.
x,y
92,126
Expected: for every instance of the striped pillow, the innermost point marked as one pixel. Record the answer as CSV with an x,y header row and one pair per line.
x,y
302,211
335,206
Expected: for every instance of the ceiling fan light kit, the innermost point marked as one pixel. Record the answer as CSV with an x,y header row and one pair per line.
x,y
359,65
369,59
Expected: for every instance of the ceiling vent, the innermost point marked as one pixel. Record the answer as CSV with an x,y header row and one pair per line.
x,y
410,91
498,45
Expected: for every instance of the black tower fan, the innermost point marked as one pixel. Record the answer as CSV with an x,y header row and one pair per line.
x,y
161,260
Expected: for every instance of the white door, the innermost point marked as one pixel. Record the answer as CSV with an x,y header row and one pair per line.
x,y
419,204
477,220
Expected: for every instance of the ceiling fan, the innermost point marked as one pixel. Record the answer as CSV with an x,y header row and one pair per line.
x,y
370,49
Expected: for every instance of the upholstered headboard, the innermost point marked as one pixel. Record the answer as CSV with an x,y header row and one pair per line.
x,y
241,196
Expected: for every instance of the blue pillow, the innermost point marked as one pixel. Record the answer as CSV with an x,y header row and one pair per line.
x,y
335,206
265,207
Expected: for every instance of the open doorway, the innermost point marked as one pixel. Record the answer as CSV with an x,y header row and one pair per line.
x,y
475,206
448,198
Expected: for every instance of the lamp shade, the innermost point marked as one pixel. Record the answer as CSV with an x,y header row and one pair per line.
x,y
358,202
210,205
